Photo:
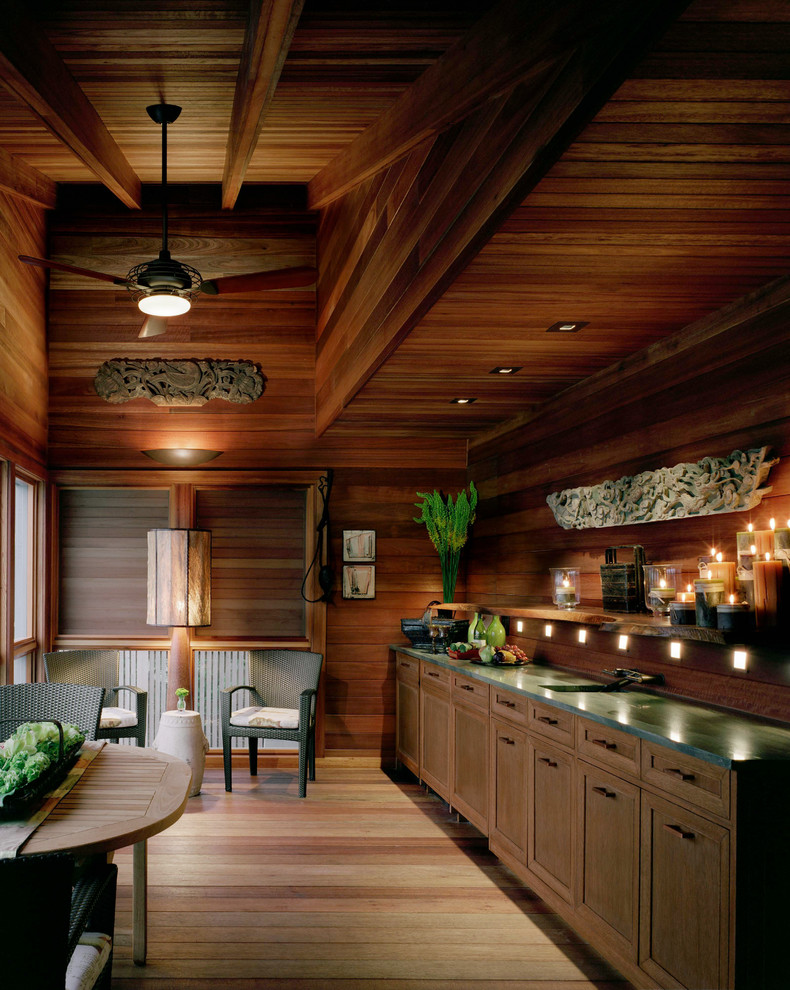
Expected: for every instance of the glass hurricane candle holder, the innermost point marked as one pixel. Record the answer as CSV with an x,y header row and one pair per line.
x,y
661,585
566,586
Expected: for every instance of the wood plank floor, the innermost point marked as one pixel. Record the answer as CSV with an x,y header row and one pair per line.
x,y
367,884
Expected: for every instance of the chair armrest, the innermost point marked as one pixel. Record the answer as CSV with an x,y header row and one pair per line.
x,y
226,694
307,705
130,687
238,687
87,897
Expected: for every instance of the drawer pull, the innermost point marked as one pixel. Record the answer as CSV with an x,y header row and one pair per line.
x,y
603,792
678,831
431,673
604,744
548,721
506,704
674,772
467,687
507,741
547,761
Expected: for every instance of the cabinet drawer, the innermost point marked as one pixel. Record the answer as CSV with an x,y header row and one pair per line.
x,y
436,676
510,706
407,669
608,746
553,723
697,782
470,692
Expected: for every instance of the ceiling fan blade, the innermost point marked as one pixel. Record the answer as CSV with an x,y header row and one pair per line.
x,y
153,326
280,278
60,267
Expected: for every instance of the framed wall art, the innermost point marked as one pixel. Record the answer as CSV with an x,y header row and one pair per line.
x,y
359,581
359,545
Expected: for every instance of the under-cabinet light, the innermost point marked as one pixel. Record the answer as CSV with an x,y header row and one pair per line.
x,y
622,643
582,636
547,630
507,370
462,401
519,626
566,326
675,649
739,659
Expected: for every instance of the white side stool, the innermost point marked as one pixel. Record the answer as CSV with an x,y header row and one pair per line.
x,y
181,734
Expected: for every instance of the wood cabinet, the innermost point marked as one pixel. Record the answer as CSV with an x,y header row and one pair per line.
x,y
435,728
550,852
685,923
407,708
508,798
607,854
470,750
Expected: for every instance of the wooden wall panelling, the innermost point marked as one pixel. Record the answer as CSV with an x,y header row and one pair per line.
x,y
23,354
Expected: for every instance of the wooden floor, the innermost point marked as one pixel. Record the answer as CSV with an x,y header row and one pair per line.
x,y
368,883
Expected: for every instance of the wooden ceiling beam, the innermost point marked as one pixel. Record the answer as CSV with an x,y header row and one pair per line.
x,y
269,33
516,40
20,179
476,174
33,71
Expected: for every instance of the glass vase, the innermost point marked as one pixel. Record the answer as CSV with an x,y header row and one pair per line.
x,y
181,705
566,586
662,582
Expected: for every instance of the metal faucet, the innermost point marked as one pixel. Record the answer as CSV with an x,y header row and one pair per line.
x,y
626,676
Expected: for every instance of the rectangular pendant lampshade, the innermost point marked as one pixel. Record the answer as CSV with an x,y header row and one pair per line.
x,y
179,577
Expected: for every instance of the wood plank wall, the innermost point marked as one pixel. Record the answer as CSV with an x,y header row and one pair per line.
x,y
718,386
359,677
23,348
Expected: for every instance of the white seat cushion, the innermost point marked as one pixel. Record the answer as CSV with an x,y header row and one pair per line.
x,y
117,718
87,960
266,718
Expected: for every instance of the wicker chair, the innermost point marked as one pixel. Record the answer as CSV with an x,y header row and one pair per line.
x,y
277,679
99,667
48,910
79,704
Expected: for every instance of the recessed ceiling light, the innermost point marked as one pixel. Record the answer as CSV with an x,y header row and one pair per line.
x,y
462,402
567,326
506,370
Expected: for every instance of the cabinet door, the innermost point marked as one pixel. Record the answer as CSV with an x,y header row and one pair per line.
x,y
435,726
470,764
407,725
550,835
684,934
508,822
608,855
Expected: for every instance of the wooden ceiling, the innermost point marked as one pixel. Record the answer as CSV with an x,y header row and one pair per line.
x,y
653,190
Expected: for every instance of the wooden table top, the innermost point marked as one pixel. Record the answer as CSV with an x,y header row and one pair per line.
x,y
124,796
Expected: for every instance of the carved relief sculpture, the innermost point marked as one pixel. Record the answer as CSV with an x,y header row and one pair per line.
x,y
179,383
714,484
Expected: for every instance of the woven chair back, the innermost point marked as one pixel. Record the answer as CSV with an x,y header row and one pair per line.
x,y
280,676
79,704
98,667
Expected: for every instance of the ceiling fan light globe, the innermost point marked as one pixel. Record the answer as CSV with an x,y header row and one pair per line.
x,y
164,304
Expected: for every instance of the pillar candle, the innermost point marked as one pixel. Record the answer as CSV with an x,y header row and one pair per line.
x,y
686,596
767,590
723,570
782,544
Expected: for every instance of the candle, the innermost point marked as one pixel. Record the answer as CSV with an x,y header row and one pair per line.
x,y
734,617
782,545
682,613
708,594
686,596
767,591
723,570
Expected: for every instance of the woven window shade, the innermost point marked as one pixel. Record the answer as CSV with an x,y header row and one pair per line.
x,y
179,577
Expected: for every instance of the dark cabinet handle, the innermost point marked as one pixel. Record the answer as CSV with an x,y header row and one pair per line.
x,y
674,772
467,687
547,720
604,793
431,673
547,761
507,704
676,830
604,744
507,741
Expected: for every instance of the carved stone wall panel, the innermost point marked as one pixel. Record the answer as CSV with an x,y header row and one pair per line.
x,y
714,484
179,383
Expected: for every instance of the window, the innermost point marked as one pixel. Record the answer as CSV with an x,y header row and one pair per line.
x,y
25,577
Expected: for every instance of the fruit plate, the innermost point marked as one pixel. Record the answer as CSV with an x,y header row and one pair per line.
x,y
473,655
496,663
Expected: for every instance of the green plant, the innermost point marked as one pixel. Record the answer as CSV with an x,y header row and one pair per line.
x,y
182,692
448,525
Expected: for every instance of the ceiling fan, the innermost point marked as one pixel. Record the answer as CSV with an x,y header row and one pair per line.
x,y
165,287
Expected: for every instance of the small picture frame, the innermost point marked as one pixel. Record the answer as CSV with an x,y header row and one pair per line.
x,y
359,546
359,581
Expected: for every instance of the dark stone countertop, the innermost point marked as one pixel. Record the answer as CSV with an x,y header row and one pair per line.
x,y
726,738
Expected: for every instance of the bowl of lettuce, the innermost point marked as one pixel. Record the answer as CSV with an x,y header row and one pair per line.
x,y
33,760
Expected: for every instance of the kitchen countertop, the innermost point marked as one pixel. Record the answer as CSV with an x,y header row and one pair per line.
x,y
726,738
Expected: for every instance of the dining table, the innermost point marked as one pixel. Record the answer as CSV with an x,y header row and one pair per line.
x,y
124,796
